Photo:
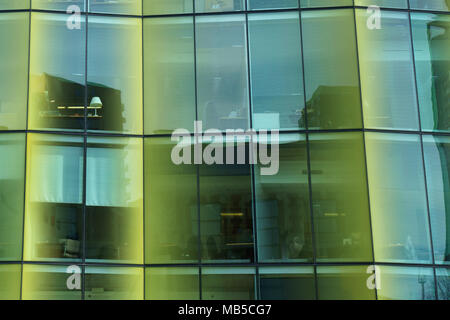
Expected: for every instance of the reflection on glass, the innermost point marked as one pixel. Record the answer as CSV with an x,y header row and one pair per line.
x,y
282,205
272,4
437,164
13,70
443,283
12,180
344,283
443,5
169,74
222,84
57,73
54,197
386,69
118,283
172,284
218,5
405,283
325,3
57,5
397,198
115,74
339,195
114,200
171,226
156,7
228,283
132,7
10,280
276,70
45,282
14,5
226,227
431,36
331,76
287,283
383,3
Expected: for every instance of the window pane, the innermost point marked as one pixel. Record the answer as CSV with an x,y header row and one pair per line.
x,y
218,5
276,70
228,283
397,198
172,284
387,75
57,73
222,83
133,7
437,163
405,283
155,7
340,197
271,4
12,187
169,74
226,227
114,204
287,283
383,3
282,205
44,282
344,283
54,196
171,226
14,4
57,5
115,74
119,283
430,4
10,280
13,70
443,283
325,3
431,48
331,76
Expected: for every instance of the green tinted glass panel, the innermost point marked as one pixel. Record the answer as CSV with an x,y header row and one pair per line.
x,y
271,4
171,226
13,70
222,84
276,70
397,198
443,5
228,283
387,74
114,283
325,3
218,5
437,164
344,283
383,3
12,187
132,7
14,4
287,283
331,76
54,196
155,7
115,74
169,74
282,205
405,283
431,35
45,282
10,280
443,283
114,200
58,5
340,199
172,283
57,73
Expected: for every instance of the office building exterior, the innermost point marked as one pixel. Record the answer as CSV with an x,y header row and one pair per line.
x,y
92,205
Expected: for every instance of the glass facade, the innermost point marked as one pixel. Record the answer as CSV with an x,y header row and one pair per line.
x,y
94,206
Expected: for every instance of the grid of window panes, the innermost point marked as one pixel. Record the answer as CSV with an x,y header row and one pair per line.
x,y
91,91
